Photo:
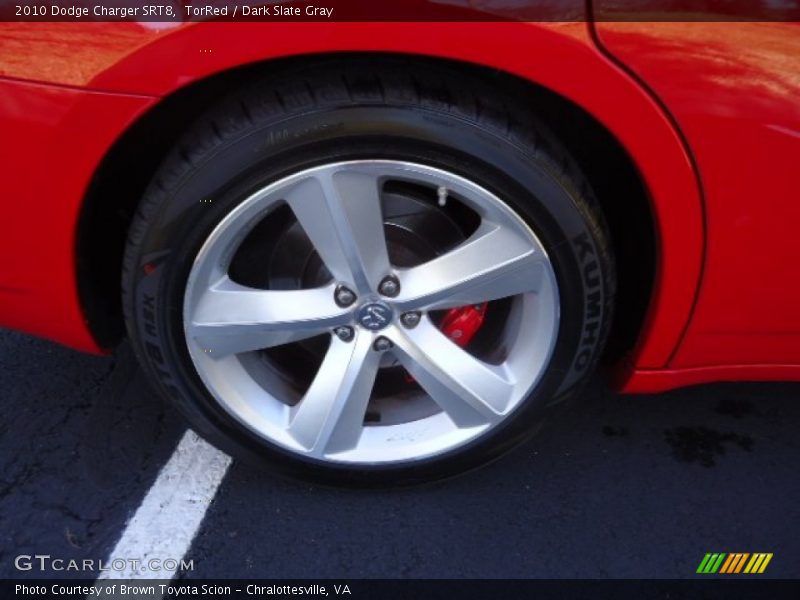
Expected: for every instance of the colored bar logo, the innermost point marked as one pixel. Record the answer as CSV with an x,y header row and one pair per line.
x,y
737,562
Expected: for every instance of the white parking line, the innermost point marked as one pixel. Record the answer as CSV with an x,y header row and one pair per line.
x,y
171,513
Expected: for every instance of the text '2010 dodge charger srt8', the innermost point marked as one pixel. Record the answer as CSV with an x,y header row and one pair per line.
x,y
384,251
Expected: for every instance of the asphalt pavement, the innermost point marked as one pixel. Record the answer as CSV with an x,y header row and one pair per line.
x,y
614,486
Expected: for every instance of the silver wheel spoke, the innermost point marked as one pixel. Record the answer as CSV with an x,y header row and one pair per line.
x,y
330,417
232,318
340,211
493,263
470,391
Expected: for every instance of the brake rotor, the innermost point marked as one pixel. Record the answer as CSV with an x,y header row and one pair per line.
x,y
416,232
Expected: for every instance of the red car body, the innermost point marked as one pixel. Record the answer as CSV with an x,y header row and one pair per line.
x,y
708,112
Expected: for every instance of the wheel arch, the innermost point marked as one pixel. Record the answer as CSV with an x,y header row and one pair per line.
x,y
605,155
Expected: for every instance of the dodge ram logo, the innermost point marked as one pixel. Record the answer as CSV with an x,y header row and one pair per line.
x,y
374,316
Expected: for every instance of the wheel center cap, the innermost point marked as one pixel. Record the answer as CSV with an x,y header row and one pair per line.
x,y
374,315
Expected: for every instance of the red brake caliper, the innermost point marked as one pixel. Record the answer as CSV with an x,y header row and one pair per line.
x,y
461,324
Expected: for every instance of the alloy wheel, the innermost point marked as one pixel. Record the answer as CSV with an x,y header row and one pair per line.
x,y
371,315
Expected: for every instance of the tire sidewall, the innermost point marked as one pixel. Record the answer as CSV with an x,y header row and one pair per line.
x,y
184,208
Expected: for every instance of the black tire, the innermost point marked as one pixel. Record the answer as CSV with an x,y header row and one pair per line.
x,y
329,112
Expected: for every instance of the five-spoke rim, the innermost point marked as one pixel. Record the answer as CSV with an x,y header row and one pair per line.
x,y
371,310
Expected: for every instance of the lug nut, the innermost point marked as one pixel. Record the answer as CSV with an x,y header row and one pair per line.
x,y
344,333
410,319
344,296
382,344
389,287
